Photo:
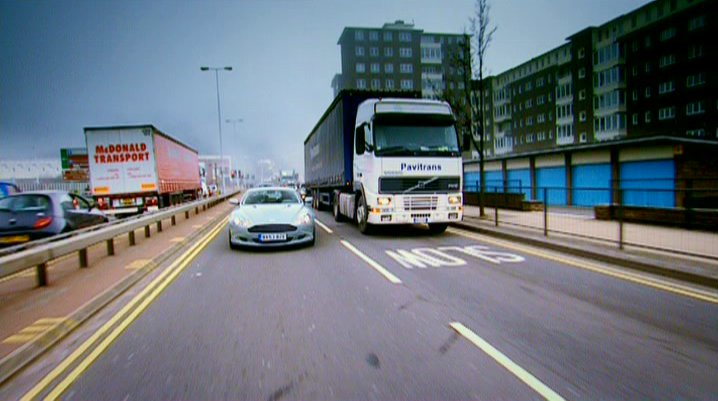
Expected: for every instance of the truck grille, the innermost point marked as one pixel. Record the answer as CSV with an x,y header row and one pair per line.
x,y
271,228
420,202
395,185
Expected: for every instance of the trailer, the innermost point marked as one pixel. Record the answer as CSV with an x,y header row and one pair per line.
x,y
139,168
380,158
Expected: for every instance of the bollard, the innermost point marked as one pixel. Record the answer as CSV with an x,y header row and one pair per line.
x,y
186,214
147,231
173,220
131,237
545,212
83,257
196,210
41,274
159,226
110,247
620,218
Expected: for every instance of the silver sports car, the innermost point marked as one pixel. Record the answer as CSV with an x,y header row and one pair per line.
x,y
267,217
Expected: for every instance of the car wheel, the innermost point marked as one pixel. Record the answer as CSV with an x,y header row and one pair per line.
x,y
335,209
437,228
232,245
314,237
362,216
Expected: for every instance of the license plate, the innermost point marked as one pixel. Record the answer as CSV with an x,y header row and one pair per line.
x,y
272,237
420,220
14,239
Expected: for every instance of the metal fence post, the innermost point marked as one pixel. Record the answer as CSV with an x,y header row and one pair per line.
x,y
131,236
173,220
159,226
83,257
41,274
147,231
110,247
186,214
620,218
545,212
496,209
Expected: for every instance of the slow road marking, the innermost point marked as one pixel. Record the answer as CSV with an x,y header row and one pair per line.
x,y
371,262
34,330
507,363
129,312
645,280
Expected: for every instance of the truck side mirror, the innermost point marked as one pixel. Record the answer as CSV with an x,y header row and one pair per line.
x,y
359,141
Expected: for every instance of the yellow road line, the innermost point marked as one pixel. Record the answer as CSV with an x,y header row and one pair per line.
x,y
323,226
652,282
67,362
384,272
507,363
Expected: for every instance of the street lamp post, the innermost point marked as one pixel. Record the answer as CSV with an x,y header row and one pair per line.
x,y
234,122
219,119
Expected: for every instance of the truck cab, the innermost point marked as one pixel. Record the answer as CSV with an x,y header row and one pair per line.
x,y
406,167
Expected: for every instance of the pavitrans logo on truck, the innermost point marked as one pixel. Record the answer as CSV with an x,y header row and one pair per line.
x,y
420,167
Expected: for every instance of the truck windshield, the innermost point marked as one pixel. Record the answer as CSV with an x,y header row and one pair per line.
x,y
415,140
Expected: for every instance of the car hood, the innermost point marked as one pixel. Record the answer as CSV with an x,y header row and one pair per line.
x,y
270,214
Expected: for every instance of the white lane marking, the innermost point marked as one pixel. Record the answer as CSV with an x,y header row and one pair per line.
x,y
507,363
646,280
438,257
323,226
384,272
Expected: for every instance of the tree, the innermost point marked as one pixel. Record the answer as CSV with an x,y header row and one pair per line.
x,y
482,34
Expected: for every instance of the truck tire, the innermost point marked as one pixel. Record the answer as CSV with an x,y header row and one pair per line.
x,y
437,228
335,209
362,216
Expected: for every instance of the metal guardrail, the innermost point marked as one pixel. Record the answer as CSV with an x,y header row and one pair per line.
x,y
39,255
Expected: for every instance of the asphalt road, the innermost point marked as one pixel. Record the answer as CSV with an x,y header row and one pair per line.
x,y
323,323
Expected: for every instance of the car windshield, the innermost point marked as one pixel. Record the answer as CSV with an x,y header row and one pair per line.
x,y
271,197
25,203
415,140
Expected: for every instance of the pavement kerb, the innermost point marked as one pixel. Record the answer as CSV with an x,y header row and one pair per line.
x,y
639,263
24,355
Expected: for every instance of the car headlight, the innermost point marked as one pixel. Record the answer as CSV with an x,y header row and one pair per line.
x,y
239,222
454,199
303,219
383,201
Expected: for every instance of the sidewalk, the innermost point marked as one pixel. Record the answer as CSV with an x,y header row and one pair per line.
x,y
660,250
32,314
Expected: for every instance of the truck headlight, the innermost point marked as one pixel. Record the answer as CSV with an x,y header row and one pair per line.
x,y
383,201
454,200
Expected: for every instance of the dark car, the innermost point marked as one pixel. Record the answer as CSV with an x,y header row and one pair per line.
x,y
28,216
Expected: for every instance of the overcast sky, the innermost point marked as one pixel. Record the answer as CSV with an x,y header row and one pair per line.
x,y
65,65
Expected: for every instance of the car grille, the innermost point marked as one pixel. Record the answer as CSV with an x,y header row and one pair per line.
x,y
271,228
394,185
420,202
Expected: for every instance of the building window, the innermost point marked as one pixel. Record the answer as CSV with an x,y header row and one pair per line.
x,y
361,67
529,103
407,84
389,84
373,36
647,117
388,68
406,68
695,108
634,95
582,73
405,52
581,53
696,132
359,51
388,37
541,118
361,84
375,84
582,137
697,22
648,92
582,116
529,86
634,46
666,87
634,118
695,51
375,68
666,113
404,36
695,80
358,35
581,94
388,52
529,121
668,33
374,51
634,71
667,60
540,100
647,42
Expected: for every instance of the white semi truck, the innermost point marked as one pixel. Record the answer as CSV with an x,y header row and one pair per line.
x,y
380,158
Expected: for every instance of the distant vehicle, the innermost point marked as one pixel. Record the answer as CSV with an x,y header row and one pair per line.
x,y
39,214
270,217
7,189
265,185
139,168
383,158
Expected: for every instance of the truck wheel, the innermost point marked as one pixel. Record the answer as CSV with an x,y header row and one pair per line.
x,y
362,216
437,228
335,209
